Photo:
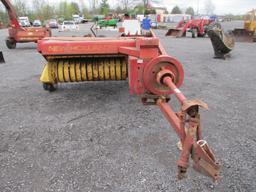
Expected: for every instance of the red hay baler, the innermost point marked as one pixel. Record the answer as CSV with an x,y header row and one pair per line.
x,y
152,74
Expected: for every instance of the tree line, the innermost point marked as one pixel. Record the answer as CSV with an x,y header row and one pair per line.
x,y
43,10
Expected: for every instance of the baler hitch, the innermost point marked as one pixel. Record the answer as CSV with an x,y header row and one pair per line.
x,y
188,127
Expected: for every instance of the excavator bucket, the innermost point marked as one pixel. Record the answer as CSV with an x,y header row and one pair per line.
x,y
223,43
242,35
2,57
173,32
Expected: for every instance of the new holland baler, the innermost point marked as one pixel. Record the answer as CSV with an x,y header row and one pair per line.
x,y
152,74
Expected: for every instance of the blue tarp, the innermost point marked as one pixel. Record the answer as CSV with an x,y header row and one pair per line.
x,y
146,24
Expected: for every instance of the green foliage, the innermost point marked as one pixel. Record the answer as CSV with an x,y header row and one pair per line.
x,y
74,8
104,7
150,11
139,9
85,12
63,10
176,10
48,12
42,10
3,18
190,11
20,7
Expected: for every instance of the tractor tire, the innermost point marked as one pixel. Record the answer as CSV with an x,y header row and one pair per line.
x,y
184,34
200,35
10,43
49,87
194,33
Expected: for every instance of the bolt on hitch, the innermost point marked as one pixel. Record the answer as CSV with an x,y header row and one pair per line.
x,y
204,161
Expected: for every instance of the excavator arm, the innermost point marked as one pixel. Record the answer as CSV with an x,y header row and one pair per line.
x,y
12,14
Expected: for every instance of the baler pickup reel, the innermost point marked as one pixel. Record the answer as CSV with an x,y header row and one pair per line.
x,y
152,75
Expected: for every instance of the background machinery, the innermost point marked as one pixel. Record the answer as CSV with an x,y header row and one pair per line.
x,y
248,33
107,22
18,34
152,75
198,28
223,43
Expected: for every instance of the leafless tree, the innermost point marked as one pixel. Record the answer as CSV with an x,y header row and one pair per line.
x,y
145,3
209,7
21,7
93,4
38,5
126,4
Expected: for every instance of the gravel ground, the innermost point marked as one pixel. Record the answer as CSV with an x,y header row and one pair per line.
x,y
95,137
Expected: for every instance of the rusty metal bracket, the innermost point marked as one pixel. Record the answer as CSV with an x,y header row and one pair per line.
x,y
188,104
204,160
150,99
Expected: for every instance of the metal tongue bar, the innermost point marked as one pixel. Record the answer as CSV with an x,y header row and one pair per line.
x,y
188,127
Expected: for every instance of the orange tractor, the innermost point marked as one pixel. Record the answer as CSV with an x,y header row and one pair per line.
x,y
19,34
152,74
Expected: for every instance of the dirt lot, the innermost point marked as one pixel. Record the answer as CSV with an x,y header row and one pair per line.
x,y
95,137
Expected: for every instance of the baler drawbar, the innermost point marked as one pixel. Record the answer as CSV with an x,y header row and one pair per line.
x,y
152,75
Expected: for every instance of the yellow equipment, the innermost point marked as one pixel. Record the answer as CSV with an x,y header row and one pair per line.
x,y
248,33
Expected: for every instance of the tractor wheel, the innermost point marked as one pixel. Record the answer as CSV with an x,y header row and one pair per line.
x,y
194,31
184,34
10,43
49,87
254,37
201,35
